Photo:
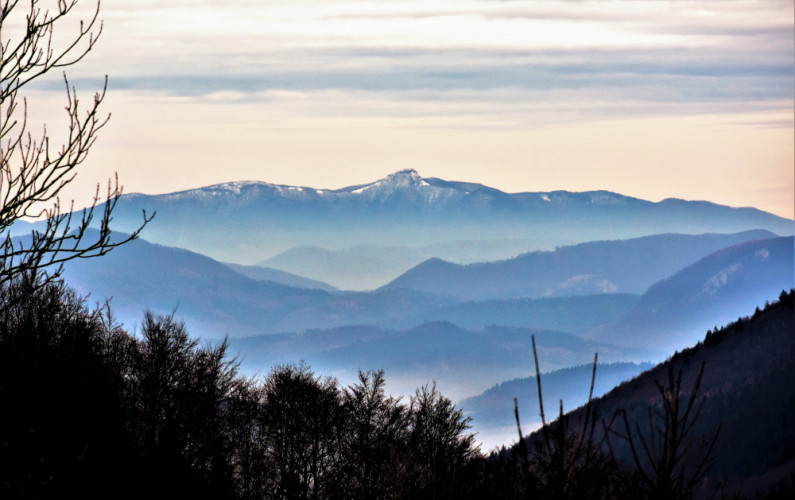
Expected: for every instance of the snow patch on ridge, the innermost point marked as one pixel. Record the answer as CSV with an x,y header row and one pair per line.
x,y
403,188
718,280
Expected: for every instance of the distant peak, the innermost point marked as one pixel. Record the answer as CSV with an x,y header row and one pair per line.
x,y
407,171
405,177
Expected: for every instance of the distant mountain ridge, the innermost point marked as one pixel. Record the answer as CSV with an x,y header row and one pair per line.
x,y
216,299
407,186
247,222
403,186
674,312
623,266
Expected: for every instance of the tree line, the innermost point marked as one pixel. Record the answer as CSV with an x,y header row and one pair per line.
x,y
90,409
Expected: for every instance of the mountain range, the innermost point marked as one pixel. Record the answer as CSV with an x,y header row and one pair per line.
x,y
450,282
249,222
216,300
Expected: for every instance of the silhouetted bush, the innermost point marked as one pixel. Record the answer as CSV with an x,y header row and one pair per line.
x,y
88,410
62,427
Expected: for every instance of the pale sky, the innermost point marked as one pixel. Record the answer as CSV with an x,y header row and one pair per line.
x,y
653,99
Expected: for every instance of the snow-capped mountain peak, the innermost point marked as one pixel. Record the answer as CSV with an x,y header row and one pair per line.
x,y
405,185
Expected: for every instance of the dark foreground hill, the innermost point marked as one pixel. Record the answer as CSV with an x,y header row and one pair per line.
x,y
748,399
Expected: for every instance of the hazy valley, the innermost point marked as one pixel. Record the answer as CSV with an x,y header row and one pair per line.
x,y
427,309
466,326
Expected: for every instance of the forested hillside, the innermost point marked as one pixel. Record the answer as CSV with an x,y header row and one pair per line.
x,y
677,431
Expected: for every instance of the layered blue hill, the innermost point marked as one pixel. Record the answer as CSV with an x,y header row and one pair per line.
x,y
215,300
623,266
675,312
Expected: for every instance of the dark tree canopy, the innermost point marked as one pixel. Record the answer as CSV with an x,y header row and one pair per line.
x,y
87,409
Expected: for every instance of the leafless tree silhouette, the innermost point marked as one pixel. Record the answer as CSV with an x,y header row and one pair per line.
x,y
33,172
668,459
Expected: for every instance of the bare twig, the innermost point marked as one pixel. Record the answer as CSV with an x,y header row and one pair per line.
x,y
32,174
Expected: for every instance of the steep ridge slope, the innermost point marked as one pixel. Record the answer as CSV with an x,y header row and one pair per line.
x,y
746,388
676,311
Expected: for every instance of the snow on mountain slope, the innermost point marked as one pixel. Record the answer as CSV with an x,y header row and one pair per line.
x,y
403,186
406,185
246,222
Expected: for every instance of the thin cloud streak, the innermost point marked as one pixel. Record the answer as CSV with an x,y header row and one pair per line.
x,y
205,38
655,51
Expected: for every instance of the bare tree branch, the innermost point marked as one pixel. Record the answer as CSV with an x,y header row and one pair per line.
x,y
32,173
